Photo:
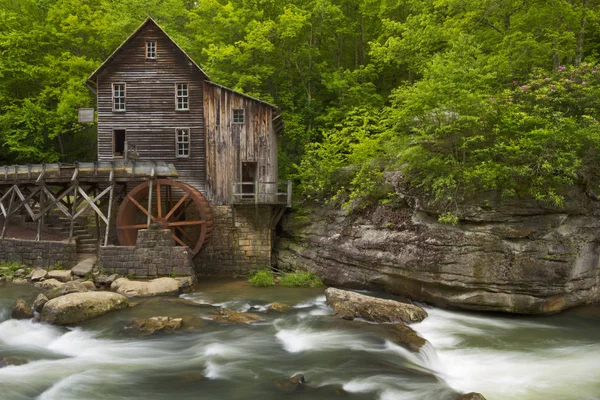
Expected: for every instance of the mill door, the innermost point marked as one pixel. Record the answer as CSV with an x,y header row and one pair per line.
x,y
248,179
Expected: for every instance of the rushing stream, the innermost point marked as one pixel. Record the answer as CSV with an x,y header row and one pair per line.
x,y
556,357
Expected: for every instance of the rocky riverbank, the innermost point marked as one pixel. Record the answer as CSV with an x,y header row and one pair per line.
x,y
514,256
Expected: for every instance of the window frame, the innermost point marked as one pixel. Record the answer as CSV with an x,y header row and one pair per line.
x,y
189,142
233,121
153,42
124,141
124,97
187,85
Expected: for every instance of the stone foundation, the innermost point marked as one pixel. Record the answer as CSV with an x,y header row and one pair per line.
x,y
240,242
44,254
154,255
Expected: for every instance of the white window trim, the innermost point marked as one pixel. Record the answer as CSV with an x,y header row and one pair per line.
x,y
189,135
243,110
124,96
155,49
188,96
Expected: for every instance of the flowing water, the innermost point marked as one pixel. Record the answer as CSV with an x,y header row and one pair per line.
x,y
556,357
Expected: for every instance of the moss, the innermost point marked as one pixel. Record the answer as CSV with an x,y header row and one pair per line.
x,y
300,279
262,278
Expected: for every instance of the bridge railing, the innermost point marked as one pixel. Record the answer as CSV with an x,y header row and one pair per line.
x,y
276,193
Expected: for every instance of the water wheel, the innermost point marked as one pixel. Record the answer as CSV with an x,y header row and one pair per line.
x,y
175,206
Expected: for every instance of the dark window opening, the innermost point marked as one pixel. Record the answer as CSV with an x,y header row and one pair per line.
x,y
248,179
118,142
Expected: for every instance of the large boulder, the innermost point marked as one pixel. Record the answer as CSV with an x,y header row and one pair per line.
x,y
149,326
350,305
21,310
39,302
60,275
38,274
78,307
67,288
403,335
279,307
84,268
155,287
48,284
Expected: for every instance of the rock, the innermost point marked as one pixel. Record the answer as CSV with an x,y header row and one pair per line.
x,y
20,272
404,336
89,285
350,305
185,283
84,268
21,310
78,307
280,307
470,396
11,361
191,376
39,302
227,316
290,385
512,255
149,326
155,287
105,280
38,274
20,281
66,288
48,284
60,275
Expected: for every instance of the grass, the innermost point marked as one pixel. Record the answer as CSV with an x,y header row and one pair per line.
x,y
300,279
8,268
262,278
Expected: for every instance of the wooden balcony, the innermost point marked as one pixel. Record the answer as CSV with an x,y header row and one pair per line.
x,y
261,193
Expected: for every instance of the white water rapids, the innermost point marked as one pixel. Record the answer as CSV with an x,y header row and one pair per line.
x,y
500,357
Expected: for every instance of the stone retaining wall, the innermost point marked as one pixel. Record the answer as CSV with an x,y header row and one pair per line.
x,y
154,255
44,254
241,242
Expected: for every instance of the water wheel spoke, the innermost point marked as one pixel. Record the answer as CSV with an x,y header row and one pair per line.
x,y
184,233
170,214
181,242
185,223
141,207
182,210
138,226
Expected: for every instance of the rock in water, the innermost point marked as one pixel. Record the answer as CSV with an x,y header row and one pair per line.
x,y
291,385
155,287
280,307
67,288
470,396
21,310
404,336
350,305
84,268
226,316
78,307
11,361
149,326
39,302
48,284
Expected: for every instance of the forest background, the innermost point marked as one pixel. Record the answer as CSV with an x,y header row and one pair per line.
x,y
457,95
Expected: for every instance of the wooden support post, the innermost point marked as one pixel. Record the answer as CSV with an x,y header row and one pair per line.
x,y
289,193
73,211
110,201
150,183
10,202
96,213
40,221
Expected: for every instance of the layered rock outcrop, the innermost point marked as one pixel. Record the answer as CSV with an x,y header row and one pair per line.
x,y
517,256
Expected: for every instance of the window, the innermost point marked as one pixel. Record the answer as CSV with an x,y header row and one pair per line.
x,y
182,98
118,142
182,142
151,50
238,116
118,96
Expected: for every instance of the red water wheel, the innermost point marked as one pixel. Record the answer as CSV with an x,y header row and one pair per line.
x,y
175,206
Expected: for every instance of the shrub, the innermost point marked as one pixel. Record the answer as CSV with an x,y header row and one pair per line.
x,y
300,279
262,278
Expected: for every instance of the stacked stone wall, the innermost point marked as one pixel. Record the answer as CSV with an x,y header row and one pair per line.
x,y
154,255
44,254
241,242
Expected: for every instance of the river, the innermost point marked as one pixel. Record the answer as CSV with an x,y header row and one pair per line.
x,y
552,357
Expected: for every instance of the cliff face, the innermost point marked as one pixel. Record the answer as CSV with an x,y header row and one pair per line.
x,y
505,256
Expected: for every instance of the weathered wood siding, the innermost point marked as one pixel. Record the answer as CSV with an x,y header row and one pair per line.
x,y
229,144
150,118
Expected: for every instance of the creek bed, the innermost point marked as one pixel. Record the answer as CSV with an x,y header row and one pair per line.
x,y
501,357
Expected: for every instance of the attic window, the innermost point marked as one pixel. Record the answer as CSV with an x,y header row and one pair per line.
x,y
238,116
151,50
182,97
118,96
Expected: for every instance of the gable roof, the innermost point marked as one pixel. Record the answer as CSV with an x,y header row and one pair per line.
x,y
147,22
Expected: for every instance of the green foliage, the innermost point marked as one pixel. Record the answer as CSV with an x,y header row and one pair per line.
x,y
58,266
8,268
262,278
300,279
